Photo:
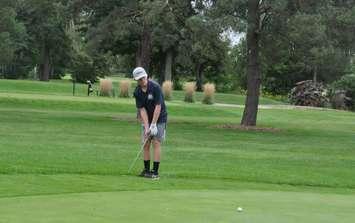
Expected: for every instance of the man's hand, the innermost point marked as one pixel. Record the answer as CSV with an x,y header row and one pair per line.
x,y
153,129
146,132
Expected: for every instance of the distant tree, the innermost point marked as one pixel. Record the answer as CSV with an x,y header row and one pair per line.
x,y
46,22
12,38
202,47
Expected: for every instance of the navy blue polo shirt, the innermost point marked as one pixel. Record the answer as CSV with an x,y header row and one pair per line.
x,y
149,99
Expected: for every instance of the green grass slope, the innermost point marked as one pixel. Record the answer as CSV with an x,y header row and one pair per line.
x,y
66,159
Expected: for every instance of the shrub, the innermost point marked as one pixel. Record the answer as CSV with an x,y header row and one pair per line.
x,y
208,93
83,69
167,90
189,88
308,93
124,88
105,87
343,89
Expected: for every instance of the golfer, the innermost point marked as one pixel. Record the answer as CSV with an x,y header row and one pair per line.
x,y
153,115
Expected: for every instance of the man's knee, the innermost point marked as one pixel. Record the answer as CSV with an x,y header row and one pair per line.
x,y
147,145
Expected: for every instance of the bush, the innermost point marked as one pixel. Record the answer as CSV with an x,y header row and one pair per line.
x,y
178,83
167,90
105,87
308,93
208,93
224,82
189,88
83,69
345,89
124,88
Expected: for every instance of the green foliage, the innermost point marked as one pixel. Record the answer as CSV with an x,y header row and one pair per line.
x,y
7,51
13,38
202,51
83,68
347,84
299,39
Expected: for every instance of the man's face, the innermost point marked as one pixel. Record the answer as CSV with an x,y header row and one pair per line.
x,y
142,82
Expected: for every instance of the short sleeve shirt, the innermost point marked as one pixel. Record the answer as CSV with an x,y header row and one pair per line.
x,y
149,99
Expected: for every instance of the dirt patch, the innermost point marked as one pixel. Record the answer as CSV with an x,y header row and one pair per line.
x,y
246,128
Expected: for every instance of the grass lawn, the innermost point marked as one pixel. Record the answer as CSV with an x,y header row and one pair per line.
x,y
65,87
66,159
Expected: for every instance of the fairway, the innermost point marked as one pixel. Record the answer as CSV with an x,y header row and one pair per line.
x,y
66,159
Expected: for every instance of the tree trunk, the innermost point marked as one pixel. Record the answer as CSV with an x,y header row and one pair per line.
x,y
199,77
144,51
161,68
44,75
168,65
253,70
315,73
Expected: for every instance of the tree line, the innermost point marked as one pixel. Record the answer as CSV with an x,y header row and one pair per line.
x,y
285,41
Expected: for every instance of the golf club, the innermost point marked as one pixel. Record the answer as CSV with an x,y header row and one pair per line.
x,y
138,154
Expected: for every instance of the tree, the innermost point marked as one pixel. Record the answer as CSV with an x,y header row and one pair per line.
x,y
291,41
307,40
169,22
254,21
46,22
12,38
249,16
122,27
201,47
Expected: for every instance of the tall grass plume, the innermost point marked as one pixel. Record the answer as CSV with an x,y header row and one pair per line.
x,y
105,87
190,88
208,93
124,88
167,90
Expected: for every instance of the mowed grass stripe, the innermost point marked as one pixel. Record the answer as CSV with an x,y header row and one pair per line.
x,y
71,142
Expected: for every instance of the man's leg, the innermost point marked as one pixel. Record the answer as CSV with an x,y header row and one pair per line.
x,y
157,148
146,156
157,151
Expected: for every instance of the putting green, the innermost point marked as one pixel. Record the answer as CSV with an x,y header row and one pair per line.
x,y
180,206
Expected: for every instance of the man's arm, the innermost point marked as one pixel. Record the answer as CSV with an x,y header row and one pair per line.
x,y
144,117
157,101
156,113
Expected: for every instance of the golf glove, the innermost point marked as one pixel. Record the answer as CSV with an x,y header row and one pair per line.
x,y
153,129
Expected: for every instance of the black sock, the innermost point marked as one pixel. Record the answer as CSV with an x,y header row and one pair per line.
x,y
156,167
147,165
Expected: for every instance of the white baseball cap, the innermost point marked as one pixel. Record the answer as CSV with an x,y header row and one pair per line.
x,y
139,73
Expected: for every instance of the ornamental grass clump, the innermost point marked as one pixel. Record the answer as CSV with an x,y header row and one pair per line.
x,y
208,93
190,89
167,90
105,87
124,88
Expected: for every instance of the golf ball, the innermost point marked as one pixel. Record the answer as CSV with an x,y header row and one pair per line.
x,y
239,209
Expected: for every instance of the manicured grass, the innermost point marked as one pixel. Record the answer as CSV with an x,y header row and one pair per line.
x,y
56,87
56,133
65,87
180,206
66,159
